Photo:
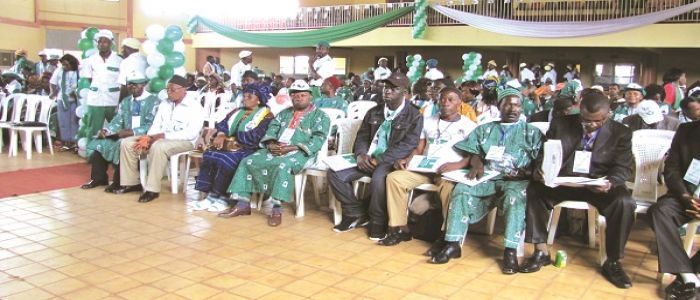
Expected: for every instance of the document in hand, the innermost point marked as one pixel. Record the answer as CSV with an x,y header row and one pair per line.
x,y
424,164
460,176
341,162
552,160
580,181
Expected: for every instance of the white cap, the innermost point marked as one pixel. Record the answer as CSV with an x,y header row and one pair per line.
x,y
634,87
650,112
299,85
136,77
522,65
514,83
598,87
547,67
492,62
104,33
131,43
42,52
382,58
244,53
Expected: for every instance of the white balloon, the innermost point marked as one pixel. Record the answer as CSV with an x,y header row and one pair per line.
x,y
468,74
80,111
181,71
410,73
83,93
83,34
417,57
82,153
478,56
151,72
179,46
82,143
465,56
472,68
90,52
415,64
155,59
155,32
148,47
477,61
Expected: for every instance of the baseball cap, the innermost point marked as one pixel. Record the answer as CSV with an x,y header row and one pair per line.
x,y
299,85
650,112
398,79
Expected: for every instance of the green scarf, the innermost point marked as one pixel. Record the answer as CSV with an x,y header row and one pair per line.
x,y
64,96
679,96
383,135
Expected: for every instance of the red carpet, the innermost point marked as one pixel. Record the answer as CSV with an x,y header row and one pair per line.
x,y
43,179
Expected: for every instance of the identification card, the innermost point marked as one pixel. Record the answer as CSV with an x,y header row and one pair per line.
x,y
135,122
582,162
286,136
693,173
495,153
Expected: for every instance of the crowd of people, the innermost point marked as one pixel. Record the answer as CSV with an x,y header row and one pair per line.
x,y
483,127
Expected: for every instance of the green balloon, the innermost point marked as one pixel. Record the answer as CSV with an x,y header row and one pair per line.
x,y
166,72
409,58
165,46
83,83
90,32
156,85
173,33
175,59
85,44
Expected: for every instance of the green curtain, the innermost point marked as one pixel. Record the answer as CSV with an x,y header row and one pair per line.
x,y
303,38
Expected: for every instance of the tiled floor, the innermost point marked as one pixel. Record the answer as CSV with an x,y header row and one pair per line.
x,y
76,244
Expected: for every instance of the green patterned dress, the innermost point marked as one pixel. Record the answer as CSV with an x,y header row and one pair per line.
x,y
109,148
336,102
471,203
272,175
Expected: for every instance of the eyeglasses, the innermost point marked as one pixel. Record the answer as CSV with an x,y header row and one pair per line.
x,y
174,88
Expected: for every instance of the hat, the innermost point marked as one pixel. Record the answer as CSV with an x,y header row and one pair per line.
x,y
634,87
179,80
382,58
550,64
514,83
244,53
398,79
334,82
504,66
547,67
299,85
54,56
323,44
105,34
261,89
598,87
431,63
136,77
20,52
523,65
131,43
42,52
650,111
202,78
17,76
508,91
492,62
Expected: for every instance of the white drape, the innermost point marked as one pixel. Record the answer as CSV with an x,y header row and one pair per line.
x,y
561,29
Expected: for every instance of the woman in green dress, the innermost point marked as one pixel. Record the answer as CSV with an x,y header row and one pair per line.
x,y
328,98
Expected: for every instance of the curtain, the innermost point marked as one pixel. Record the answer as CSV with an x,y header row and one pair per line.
x,y
303,38
561,29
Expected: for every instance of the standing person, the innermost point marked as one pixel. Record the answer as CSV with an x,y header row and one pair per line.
x,y
382,71
209,67
64,83
134,118
133,62
571,73
550,76
634,94
219,67
41,66
674,79
490,73
388,133
21,62
505,75
102,68
593,146
321,66
526,74
433,73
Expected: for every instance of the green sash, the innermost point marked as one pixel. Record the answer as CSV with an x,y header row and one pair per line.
x,y
383,136
64,96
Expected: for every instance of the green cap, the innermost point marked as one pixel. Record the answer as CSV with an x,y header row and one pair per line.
x,y
323,44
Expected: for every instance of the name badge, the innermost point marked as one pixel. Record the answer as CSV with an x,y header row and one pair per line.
x,y
286,136
135,122
582,162
693,173
496,153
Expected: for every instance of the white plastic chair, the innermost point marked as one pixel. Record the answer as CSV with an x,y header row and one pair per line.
x,y
649,147
6,119
32,132
542,126
176,172
358,109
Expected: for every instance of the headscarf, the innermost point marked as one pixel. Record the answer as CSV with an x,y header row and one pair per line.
x,y
335,83
260,89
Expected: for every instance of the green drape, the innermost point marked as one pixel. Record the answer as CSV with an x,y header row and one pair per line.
x,y
303,38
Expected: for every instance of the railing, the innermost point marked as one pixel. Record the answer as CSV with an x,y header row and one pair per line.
x,y
523,10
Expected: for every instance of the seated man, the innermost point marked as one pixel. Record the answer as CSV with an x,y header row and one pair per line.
x,y
649,116
508,146
634,94
562,107
440,133
134,118
175,129
388,133
593,146
291,143
679,206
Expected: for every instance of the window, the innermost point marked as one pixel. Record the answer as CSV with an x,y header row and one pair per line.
x,y
608,73
299,65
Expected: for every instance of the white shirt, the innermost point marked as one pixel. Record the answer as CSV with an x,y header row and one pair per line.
x,y
179,122
434,74
526,74
489,73
134,62
71,82
549,74
381,73
237,72
325,67
441,135
104,89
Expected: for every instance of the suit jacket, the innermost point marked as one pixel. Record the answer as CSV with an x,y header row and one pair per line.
x,y
612,151
541,116
684,148
635,122
405,132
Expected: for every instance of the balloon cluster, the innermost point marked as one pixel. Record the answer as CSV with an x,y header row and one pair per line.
x,y
420,19
416,67
164,51
471,67
87,45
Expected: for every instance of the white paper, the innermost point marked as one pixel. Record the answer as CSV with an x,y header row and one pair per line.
x,y
341,162
692,175
582,162
495,153
460,176
135,122
580,181
551,163
424,164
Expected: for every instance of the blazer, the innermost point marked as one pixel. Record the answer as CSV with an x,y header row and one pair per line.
x,y
405,132
635,122
612,151
684,148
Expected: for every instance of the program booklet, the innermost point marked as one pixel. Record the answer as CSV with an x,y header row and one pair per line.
x,y
341,162
460,176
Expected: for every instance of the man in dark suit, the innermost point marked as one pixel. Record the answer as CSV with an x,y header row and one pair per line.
x,y
389,132
593,146
679,206
562,107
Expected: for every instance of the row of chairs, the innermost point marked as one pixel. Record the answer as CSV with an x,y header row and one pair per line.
x,y
30,117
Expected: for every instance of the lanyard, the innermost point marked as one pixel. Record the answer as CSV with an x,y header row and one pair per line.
x,y
446,128
135,107
587,142
504,134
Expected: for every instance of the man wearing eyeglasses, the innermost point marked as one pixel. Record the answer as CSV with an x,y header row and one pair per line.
x,y
593,146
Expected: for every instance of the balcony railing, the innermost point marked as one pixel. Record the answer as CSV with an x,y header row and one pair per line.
x,y
523,10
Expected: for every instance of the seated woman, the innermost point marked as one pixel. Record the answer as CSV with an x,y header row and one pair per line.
x,y
328,98
292,142
246,126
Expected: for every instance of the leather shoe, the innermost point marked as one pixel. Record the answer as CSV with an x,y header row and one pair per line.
x,y
129,189
234,211
510,262
275,218
92,184
148,196
538,260
395,237
436,247
613,272
451,250
678,290
112,188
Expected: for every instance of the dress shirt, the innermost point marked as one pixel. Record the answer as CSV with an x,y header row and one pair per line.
x,y
104,89
179,122
237,72
325,67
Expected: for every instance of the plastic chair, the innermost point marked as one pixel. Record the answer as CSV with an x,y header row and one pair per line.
x,y
30,131
649,147
358,109
542,126
16,101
